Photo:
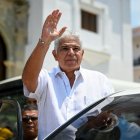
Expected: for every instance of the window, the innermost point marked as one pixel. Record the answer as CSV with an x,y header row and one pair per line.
x,y
3,57
89,21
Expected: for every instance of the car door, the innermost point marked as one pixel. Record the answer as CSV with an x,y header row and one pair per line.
x,y
10,120
116,117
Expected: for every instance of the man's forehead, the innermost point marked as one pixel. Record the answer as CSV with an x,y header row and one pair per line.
x,y
68,40
30,112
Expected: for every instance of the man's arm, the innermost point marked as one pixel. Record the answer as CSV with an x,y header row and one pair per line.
x,y
34,63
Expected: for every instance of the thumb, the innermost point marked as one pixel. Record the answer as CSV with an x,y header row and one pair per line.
x,y
62,31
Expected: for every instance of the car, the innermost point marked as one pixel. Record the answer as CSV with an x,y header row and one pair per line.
x,y
115,117
11,101
10,120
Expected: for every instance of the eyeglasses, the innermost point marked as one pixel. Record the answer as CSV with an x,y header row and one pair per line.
x,y
27,118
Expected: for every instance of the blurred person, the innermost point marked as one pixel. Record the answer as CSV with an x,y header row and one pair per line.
x,y
31,101
6,133
30,122
64,91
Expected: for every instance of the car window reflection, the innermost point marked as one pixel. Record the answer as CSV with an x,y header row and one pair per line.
x,y
114,119
8,121
126,109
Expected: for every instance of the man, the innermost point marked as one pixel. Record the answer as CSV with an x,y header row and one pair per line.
x,y
68,88
31,101
30,122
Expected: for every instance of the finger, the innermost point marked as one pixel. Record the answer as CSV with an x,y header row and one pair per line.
x,y
56,19
62,31
47,21
55,12
55,16
51,16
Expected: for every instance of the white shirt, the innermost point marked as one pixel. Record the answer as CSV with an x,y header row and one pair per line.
x,y
58,102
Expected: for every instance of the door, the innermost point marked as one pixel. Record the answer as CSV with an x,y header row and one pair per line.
x,y
3,57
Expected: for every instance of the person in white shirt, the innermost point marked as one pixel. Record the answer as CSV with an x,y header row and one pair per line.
x,y
67,88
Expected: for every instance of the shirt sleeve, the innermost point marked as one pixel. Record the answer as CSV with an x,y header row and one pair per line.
x,y
42,84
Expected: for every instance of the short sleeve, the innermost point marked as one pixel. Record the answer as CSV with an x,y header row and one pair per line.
x,y
42,84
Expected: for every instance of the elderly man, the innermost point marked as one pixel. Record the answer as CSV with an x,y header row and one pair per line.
x,y
68,88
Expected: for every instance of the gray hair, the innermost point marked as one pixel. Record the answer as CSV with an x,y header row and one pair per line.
x,y
66,34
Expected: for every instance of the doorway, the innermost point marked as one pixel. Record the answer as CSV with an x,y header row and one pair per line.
x,y
3,57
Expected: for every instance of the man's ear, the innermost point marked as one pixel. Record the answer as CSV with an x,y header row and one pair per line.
x,y
55,54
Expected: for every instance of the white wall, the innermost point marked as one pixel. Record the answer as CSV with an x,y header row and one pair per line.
x,y
34,25
114,37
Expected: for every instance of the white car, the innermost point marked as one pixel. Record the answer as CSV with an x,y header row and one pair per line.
x,y
116,117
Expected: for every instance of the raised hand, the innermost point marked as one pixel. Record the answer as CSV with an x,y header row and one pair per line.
x,y
49,31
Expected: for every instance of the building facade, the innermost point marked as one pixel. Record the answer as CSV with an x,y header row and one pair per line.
x,y
108,44
104,28
13,36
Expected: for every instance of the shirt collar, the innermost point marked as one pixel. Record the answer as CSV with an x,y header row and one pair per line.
x,y
58,71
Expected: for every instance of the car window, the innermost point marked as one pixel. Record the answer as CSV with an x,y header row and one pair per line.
x,y
114,118
12,90
10,120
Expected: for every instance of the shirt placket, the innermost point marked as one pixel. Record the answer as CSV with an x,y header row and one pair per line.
x,y
67,91
69,99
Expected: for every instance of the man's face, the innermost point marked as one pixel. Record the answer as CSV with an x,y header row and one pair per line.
x,y
30,123
69,54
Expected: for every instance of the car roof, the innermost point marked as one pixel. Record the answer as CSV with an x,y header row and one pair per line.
x,y
11,86
10,80
126,92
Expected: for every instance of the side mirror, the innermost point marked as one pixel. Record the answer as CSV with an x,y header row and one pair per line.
x,y
10,120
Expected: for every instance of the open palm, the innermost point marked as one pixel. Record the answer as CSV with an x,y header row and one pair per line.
x,y
49,31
